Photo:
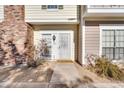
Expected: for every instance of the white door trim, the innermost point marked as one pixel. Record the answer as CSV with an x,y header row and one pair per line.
x,y
83,41
62,31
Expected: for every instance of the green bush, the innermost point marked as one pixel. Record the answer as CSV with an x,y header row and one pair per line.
x,y
104,67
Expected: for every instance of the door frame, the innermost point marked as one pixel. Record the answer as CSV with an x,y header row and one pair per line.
x,y
62,31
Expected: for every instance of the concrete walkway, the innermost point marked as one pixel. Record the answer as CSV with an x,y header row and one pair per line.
x,y
65,75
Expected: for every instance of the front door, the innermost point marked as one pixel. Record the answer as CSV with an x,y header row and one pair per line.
x,y
64,45
53,45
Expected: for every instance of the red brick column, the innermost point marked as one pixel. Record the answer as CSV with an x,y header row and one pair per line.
x,y
13,33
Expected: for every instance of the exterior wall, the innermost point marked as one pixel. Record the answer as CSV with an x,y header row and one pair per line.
x,y
61,27
13,35
35,13
1,13
80,40
81,36
16,36
92,36
30,48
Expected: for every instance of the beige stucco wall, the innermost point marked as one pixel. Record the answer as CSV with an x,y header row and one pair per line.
x,y
61,27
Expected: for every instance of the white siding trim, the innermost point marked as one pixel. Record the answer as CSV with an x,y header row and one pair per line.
x,y
83,35
100,10
83,44
100,41
52,21
82,29
107,26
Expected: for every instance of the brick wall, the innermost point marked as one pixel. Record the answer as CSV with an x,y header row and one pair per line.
x,y
13,36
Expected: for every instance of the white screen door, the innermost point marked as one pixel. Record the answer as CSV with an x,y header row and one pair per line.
x,y
64,45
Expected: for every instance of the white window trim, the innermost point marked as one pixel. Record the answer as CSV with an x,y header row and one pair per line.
x,y
107,26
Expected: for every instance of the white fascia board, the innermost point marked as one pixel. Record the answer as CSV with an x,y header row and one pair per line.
x,y
105,10
111,26
53,21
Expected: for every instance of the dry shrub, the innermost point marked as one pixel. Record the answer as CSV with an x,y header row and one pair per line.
x,y
104,67
35,63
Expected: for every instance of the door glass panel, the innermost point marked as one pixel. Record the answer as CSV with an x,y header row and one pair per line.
x,y
64,46
45,50
42,46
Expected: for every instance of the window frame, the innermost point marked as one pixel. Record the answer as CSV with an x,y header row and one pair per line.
x,y
52,9
58,7
107,27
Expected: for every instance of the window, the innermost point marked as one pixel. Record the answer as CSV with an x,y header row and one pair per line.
x,y
52,7
113,43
